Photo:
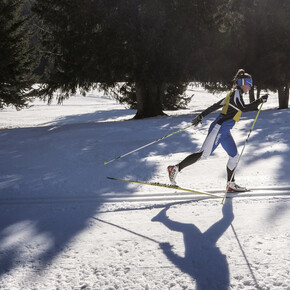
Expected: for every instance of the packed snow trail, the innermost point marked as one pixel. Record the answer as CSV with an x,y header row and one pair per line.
x,y
63,225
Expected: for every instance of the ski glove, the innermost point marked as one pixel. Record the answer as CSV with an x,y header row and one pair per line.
x,y
264,98
165,246
197,120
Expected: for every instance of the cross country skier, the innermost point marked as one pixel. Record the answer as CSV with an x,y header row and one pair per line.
x,y
219,131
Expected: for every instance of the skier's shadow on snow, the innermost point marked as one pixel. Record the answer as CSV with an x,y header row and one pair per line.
x,y
202,260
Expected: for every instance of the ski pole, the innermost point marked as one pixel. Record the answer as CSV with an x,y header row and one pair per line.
x,y
121,156
252,128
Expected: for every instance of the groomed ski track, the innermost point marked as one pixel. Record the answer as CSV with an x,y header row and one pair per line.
x,y
174,195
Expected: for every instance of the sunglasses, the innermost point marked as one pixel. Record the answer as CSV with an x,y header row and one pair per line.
x,y
245,81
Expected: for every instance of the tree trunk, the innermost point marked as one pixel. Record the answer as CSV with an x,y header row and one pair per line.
x,y
149,99
283,95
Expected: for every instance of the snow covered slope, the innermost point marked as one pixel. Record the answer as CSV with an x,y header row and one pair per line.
x,y
64,225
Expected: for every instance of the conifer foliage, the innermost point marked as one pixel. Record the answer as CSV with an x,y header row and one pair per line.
x,y
148,43
16,57
153,46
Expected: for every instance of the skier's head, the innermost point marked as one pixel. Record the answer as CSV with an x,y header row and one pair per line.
x,y
243,80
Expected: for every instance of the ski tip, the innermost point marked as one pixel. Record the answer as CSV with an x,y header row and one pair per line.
x,y
113,178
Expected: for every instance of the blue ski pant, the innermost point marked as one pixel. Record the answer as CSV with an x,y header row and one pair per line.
x,y
221,134
217,134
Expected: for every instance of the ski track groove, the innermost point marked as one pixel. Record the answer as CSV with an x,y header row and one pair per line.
x,y
150,197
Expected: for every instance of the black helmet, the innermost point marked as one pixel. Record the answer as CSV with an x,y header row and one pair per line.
x,y
243,78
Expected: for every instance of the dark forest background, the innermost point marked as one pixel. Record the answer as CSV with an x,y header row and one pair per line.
x,y
144,52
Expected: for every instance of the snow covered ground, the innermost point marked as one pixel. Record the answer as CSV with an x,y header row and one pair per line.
x,y
63,225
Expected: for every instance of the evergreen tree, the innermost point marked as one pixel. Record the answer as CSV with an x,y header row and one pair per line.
x,y
174,97
253,35
273,66
148,43
222,46
16,61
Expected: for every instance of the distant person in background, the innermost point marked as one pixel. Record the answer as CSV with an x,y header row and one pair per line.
x,y
219,131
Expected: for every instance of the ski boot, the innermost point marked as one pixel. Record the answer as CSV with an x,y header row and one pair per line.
x,y
233,187
172,172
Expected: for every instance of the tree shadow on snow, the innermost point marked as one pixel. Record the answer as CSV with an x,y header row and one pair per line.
x,y
202,259
269,142
53,181
48,194
95,117
67,161
47,171
32,235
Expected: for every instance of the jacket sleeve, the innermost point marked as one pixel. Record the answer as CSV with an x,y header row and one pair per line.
x,y
239,103
252,106
213,108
